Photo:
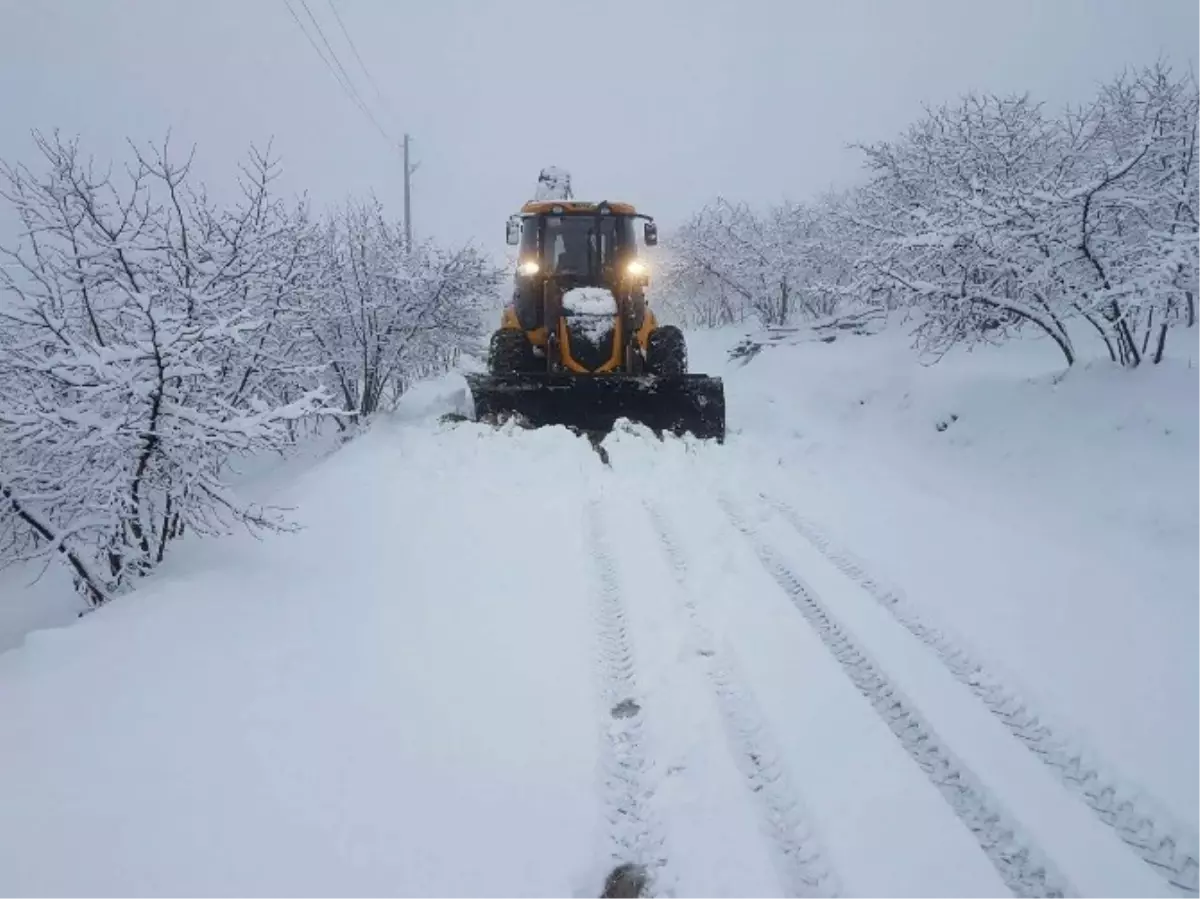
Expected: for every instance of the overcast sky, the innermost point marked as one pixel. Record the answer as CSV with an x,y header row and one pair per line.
x,y
663,104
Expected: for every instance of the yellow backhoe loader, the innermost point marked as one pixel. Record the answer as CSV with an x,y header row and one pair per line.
x,y
577,344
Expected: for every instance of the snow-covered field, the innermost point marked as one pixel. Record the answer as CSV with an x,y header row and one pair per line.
x,y
910,631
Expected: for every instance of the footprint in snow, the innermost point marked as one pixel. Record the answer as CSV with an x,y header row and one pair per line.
x,y
626,708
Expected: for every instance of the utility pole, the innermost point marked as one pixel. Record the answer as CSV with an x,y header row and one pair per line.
x,y
408,171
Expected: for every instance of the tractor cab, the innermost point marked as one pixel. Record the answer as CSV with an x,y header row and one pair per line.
x,y
587,244
568,244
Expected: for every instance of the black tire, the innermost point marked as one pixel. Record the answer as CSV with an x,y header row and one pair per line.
x,y
510,352
666,352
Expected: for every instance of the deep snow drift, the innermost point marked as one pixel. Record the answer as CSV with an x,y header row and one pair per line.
x,y
911,631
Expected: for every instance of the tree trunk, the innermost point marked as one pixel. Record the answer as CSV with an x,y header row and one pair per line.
x,y
1134,358
1108,344
1129,355
94,591
165,534
1162,343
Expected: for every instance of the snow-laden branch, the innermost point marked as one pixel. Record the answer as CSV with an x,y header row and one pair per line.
x,y
148,337
988,216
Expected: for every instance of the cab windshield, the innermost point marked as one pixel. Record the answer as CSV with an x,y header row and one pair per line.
x,y
582,245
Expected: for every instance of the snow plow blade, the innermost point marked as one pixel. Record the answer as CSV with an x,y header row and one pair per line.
x,y
690,404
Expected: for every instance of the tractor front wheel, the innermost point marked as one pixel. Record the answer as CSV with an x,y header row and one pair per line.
x,y
666,352
510,352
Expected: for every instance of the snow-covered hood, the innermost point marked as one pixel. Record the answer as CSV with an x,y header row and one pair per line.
x,y
590,301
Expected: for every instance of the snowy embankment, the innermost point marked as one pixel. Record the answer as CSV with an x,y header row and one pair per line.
x,y
909,631
1051,518
37,595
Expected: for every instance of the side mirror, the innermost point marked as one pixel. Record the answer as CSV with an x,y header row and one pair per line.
x,y
513,232
650,232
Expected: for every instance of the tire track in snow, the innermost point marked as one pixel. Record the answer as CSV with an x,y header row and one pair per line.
x,y
798,854
1151,833
1024,868
628,791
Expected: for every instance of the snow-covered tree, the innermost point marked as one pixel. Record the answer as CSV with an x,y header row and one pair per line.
x,y
988,216
955,217
135,329
729,254
380,316
729,262
149,336
1132,211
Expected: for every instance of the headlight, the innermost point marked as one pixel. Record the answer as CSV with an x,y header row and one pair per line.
x,y
528,268
636,268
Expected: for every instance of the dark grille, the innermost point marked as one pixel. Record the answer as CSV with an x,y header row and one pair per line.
x,y
580,330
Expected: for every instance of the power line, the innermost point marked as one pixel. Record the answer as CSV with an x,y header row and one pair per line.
x,y
362,65
346,85
349,87
332,53
317,49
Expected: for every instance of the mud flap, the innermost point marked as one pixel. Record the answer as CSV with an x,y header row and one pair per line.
x,y
690,404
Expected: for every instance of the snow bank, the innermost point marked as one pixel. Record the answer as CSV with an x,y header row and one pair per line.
x,y
34,597
430,399
392,706
1096,445
1049,519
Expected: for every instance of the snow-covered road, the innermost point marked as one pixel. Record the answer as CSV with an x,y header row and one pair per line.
x,y
493,663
